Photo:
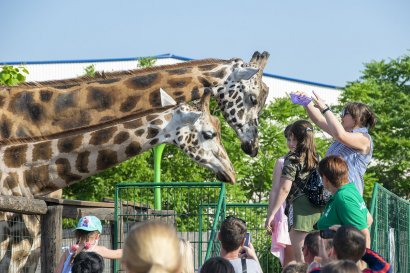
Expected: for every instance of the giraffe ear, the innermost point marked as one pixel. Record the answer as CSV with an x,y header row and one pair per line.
x,y
206,97
259,59
243,73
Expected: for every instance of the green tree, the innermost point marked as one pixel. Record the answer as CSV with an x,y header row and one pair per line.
x,y
385,86
11,76
90,70
146,62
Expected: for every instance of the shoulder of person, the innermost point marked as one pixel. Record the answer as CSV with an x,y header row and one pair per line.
x,y
292,157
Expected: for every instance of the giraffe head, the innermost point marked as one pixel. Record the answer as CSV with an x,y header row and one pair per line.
x,y
242,99
198,134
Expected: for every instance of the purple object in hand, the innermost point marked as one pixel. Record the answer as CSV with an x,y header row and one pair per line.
x,y
301,100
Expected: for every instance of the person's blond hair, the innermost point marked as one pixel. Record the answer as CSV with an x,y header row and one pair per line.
x,y
152,247
186,251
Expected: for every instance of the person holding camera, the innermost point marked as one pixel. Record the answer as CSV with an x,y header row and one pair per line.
x,y
232,237
346,206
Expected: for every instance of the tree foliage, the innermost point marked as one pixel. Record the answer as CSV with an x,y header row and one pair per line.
x,y
11,76
385,86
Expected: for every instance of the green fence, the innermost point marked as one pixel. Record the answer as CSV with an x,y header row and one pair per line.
x,y
184,205
391,227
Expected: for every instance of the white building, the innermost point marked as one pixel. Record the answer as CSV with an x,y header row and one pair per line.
x,y
279,86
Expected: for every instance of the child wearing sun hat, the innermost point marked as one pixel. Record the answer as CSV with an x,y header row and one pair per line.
x,y
87,233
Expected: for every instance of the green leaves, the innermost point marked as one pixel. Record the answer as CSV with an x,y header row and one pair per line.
x,y
11,76
146,62
90,70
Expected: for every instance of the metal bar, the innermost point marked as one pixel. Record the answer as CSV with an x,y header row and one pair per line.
x,y
157,174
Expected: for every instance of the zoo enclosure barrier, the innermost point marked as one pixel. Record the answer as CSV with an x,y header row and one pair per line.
x,y
390,231
197,211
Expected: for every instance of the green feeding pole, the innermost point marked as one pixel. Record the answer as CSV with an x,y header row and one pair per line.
x,y
157,174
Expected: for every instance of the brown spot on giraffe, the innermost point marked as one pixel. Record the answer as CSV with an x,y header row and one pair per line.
x,y
77,119
157,122
64,101
64,170
151,117
152,132
23,104
106,159
5,127
2,99
204,82
99,99
65,86
139,132
42,151
11,182
195,93
102,136
45,95
179,71
15,156
37,176
121,137
108,81
142,82
133,124
179,83
81,163
155,99
106,118
69,144
129,104
133,149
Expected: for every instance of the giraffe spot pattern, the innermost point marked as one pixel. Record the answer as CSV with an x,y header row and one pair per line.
x,y
139,132
204,82
155,99
64,101
21,132
99,98
180,99
154,141
37,176
151,117
15,156
64,170
77,119
45,95
179,71
106,159
121,137
106,118
129,103
142,82
11,181
240,114
152,132
157,122
69,144
102,136
133,124
5,127
179,83
23,103
81,162
132,149
42,151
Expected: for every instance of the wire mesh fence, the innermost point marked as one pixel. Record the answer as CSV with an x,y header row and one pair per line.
x,y
391,227
184,205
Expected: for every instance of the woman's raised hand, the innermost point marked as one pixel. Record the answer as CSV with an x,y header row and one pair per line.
x,y
319,103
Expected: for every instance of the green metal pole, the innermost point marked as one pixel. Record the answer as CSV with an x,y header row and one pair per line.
x,y
373,212
157,174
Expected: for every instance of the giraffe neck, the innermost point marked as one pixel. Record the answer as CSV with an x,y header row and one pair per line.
x,y
40,110
41,167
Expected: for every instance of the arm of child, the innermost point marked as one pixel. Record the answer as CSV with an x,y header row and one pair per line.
x,y
108,253
60,264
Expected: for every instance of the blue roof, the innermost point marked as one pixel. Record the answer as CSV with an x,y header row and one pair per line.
x,y
161,56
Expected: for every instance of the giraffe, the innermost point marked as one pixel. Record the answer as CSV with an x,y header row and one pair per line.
x,y
37,166
48,108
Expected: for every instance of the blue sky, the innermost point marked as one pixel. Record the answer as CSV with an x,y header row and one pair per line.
x,y
325,41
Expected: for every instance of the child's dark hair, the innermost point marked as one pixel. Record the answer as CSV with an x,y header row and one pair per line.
x,y
287,129
217,265
302,131
349,243
88,262
340,266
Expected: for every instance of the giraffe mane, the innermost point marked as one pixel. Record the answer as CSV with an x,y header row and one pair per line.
x,y
74,131
115,74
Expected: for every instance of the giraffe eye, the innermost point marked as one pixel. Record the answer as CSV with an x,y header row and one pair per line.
x,y
253,99
208,134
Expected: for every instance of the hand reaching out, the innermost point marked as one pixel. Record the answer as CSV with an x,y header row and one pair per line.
x,y
319,103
